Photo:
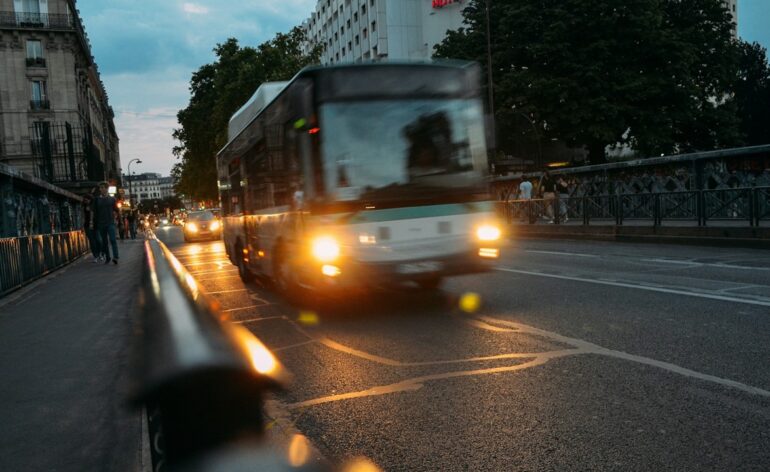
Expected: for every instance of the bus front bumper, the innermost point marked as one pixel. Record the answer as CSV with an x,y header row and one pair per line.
x,y
372,274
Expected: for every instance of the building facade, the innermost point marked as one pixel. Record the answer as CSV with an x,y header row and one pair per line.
x,y
148,186
55,119
363,30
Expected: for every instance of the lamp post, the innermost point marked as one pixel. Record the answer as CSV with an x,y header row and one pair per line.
x,y
490,85
537,135
130,186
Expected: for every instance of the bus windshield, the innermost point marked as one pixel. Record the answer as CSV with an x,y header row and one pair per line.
x,y
402,149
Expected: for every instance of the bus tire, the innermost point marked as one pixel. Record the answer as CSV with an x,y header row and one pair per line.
x,y
243,271
432,283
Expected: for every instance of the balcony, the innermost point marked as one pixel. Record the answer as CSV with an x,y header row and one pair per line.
x,y
36,20
39,105
35,62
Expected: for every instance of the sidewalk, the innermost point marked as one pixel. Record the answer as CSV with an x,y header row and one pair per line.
x,y
64,361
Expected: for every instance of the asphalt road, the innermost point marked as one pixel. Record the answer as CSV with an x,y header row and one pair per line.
x,y
581,356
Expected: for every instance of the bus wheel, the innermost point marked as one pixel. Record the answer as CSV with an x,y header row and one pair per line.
x,y
243,271
430,284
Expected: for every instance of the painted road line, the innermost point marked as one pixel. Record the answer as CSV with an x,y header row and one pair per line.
x,y
560,253
710,296
717,265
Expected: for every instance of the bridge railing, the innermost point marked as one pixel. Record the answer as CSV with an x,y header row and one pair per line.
x,y
201,378
748,206
27,258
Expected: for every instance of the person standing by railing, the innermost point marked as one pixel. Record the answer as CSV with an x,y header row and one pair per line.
x,y
525,193
563,189
88,224
105,212
547,189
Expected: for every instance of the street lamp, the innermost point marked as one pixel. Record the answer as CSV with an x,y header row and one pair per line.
x,y
537,135
130,187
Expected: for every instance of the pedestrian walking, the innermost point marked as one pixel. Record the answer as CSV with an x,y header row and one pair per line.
x,y
88,225
132,216
563,189
525,193
105,212
548,192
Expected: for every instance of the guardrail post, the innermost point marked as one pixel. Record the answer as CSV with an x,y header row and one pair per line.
x,y
618,209
586,218
700,206
753,207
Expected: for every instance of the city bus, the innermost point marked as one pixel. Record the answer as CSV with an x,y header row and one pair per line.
x,y
360,175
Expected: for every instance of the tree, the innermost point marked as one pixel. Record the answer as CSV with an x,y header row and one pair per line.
x,y
217,91
594,73
752,94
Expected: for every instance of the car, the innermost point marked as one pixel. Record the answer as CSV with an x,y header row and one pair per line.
x,y
202,226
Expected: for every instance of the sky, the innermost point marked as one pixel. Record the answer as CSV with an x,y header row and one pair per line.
x,y
147,50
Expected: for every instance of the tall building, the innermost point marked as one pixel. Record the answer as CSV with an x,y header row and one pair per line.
x,y
361,30
55,119
732,7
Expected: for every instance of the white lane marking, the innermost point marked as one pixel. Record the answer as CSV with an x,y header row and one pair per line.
x,y
717,265
265,318
560,253
586,347
242,307
227,291
292,346
650,288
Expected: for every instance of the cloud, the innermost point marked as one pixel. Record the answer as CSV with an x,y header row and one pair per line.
x,y
195,9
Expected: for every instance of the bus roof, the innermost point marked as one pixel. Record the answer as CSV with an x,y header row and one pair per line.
x,y
258,103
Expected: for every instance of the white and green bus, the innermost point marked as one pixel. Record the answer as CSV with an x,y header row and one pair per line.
x,y
360,175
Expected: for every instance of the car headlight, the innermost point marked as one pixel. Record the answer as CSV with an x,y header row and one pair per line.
x,y
191,227
214,226
488,233
325,249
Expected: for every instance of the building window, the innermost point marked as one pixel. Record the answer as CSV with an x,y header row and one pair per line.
x,y
348,23
35,53
372,3
364,33
350,45
374,26
363,10
356,39
342,30
355,16
343,50
39,99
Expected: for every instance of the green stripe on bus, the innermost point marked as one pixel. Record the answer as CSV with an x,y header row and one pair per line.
x,y
428,211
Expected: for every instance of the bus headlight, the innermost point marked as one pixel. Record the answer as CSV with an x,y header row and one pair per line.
x,y
326,249
191,227
488,233
214,226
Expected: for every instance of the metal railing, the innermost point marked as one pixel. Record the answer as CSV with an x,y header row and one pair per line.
x,y
747,205
35,62
25,259
201,378
36,20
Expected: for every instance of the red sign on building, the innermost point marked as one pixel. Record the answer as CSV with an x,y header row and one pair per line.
x,y
443,3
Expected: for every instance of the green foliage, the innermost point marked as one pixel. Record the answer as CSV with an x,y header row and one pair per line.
x,y
217,91
653,74
752,94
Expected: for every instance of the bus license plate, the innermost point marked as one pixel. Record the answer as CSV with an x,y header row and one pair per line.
x,y
419,267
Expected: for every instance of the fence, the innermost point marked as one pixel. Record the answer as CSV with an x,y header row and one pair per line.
x,y
735,206
27,258
202,379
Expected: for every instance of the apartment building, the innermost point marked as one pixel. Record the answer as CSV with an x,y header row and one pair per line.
x,y
55,119
362,30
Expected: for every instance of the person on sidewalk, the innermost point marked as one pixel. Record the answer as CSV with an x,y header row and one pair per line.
x,y
133,214
548,190
563,188
88,225
105,212
525,193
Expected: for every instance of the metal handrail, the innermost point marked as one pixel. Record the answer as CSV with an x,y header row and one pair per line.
x,y
201,377
749,204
